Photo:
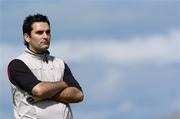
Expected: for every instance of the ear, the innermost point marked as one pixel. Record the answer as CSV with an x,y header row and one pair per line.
x,y
26,37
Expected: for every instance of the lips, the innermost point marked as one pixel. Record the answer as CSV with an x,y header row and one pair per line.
x,y
45,42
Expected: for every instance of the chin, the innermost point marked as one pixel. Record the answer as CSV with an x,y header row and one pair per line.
x,y
45,47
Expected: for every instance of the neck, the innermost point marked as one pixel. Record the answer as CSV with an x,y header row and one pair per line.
x,y
37,52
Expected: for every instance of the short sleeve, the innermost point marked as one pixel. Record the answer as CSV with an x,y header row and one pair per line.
x,y
69,78
20,75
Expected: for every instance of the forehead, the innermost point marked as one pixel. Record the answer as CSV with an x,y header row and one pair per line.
x,y
40,26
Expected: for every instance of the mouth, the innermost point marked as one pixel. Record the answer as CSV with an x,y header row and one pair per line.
x,y
45,42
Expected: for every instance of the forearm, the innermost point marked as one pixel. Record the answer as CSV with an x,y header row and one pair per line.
x,y
48,89
69,95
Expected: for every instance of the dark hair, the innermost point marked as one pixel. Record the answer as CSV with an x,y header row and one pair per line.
x,y
28,22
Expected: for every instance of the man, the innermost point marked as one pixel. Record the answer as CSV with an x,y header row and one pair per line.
x,y
42,85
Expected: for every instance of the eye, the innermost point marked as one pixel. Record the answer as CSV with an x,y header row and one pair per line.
x,y
48,32
39,32
42,32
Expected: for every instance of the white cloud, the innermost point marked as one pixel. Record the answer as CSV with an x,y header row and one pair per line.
x,y
163,48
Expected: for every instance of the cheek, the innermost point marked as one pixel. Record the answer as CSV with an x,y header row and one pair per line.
x,y
35,42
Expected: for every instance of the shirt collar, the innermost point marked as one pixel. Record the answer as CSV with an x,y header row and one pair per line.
x,y
43,55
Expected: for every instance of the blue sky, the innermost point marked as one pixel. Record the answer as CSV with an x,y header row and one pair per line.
x,y
124,53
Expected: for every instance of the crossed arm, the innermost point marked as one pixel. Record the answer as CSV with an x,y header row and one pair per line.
x,y
58,91
67,90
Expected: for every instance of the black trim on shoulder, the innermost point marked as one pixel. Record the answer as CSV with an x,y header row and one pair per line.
x,y
69,78
21,76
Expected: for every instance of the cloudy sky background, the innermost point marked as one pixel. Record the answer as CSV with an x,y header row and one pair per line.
x,y
124,53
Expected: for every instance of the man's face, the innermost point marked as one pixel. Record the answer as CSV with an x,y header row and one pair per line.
x,y
39,40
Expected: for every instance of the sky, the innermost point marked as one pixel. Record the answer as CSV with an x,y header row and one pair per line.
x,y
124,53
